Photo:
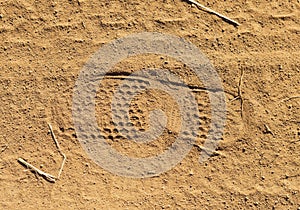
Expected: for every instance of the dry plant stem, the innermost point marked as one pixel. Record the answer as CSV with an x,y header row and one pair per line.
x,y
268,130
240,92
59,149
47,176
214,12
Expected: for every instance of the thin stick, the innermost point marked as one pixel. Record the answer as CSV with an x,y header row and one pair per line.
x,y
214,12
268,130
47,176
59,149
240,92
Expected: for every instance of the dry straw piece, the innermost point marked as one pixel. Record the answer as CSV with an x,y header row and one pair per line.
x,y
59,149
47,176
240,93
227,19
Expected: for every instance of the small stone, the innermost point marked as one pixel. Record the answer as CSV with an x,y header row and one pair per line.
x,y
191,173
1,16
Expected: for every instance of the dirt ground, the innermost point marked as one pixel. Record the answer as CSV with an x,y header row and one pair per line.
x,y
43,47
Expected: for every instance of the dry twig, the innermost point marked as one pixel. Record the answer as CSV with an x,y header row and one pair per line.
x,y
240,92
47,176
59,149
268,130
213,12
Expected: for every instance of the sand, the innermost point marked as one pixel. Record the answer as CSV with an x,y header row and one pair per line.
x,y
43,48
